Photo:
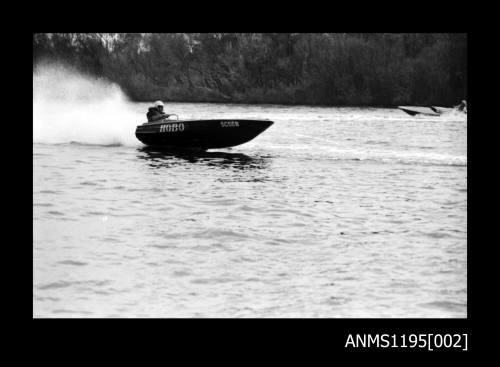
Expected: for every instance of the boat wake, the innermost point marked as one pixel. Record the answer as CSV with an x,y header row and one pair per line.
x,y
70,107
329,152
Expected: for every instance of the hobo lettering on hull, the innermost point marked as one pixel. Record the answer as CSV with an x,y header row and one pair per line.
x,y
167,128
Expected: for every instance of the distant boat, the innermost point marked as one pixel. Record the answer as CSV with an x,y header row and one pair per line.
x,y
199,134
428,111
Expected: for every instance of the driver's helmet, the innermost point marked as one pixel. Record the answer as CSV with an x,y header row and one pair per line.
x,y
159,104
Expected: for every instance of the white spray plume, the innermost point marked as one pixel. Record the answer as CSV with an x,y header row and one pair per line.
x,y
69,106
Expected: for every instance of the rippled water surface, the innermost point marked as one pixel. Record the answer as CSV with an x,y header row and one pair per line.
x,y
331,212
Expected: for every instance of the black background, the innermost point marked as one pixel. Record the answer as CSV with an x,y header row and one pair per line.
x,y
235,341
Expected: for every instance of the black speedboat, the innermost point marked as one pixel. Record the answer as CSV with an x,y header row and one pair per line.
x,y
429,111
413,110
199,134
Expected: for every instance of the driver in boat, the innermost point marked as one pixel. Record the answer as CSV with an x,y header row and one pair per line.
x,y
156,113
462,106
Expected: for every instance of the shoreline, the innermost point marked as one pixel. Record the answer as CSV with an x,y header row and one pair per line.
x,y
291,104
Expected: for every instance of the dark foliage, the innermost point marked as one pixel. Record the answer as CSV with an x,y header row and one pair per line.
x,y
364,69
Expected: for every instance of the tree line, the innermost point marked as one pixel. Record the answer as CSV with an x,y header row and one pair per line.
x,y
342,69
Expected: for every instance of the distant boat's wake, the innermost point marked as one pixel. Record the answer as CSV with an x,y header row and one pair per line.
x,y
69,107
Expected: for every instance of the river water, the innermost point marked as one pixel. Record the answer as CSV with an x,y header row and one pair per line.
x,y
331,212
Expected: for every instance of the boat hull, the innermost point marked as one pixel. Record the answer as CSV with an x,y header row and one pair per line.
x,y
412,111
200,134
428,111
